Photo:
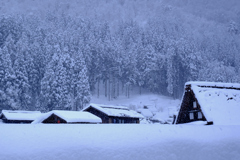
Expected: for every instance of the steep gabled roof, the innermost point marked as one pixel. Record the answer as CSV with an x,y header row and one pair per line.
x,y
71,117
20,115
219,102
116,111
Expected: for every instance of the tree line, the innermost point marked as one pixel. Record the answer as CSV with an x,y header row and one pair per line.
x,y
57,61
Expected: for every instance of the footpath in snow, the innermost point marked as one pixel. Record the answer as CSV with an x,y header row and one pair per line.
x,y
118,142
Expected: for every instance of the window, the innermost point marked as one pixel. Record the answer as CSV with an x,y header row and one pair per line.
x,y
191,116
199,115
194,104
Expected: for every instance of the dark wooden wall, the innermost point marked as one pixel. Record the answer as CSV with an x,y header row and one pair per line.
x,y
54,119
103,116
5,120
187,108
124,120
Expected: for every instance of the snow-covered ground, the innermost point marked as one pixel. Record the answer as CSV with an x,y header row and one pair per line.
x,y
136,100
121,141
118,142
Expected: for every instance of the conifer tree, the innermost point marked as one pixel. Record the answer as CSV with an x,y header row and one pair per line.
x,y
8,87
81,83
22,83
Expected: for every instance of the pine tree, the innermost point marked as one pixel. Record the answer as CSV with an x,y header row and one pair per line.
x,y
47,96
61,88
8,87
49,84
33,80
22,82
56,90
20,69
82,94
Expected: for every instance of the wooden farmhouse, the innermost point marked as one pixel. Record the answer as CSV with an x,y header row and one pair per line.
x,y
9,116
210,102
114,114
59,116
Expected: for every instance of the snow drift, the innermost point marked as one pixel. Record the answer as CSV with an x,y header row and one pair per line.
x,y
117,142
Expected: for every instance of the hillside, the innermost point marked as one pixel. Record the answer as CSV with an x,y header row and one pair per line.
x,y
53,54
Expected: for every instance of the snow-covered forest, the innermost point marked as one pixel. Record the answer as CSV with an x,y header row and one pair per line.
x,y
55,54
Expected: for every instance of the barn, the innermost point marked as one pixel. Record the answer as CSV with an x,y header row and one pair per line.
x,y
211,103
60,116
114,114
9,116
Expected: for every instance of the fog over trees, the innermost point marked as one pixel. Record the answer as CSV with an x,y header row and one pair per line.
x,y
55,54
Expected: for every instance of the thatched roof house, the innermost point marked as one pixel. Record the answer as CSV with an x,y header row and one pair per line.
x,y
214,103
114,114
59,116
9,116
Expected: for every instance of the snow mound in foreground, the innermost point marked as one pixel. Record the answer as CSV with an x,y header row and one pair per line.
x,y
119,141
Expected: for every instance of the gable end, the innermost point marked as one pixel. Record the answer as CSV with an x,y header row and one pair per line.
x,y
190,109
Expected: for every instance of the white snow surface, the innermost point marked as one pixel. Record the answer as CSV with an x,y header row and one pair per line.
x,y
145,112
118,142
213,84
21,115
162,117
219,105
118,111
70,117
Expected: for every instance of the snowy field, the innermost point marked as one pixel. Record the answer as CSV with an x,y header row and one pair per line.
x,y
118,142
153,100
121,141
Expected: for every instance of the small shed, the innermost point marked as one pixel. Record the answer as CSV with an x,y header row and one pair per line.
x,y
214,103
9,116
60,116
114,114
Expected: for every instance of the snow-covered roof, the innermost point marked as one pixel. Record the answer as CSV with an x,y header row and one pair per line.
x,y
21,115
220,105
213,84
117,111
145,112
70,117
